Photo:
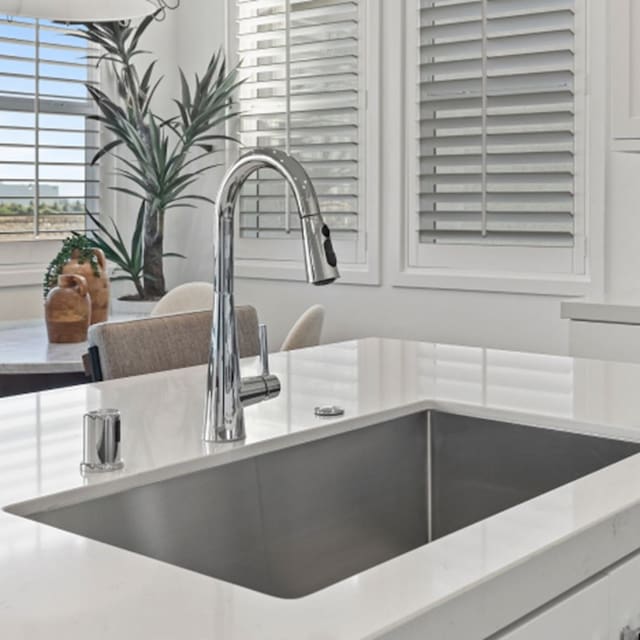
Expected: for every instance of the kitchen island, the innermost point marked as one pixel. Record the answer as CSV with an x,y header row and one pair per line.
x,y
560,565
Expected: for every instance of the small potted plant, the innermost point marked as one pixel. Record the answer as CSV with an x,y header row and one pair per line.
x,y
80,256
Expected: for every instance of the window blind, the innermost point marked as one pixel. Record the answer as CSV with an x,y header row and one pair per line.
x,y
496,122
46,141
302,94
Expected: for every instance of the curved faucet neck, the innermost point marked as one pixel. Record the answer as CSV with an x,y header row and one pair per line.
x,y
289,168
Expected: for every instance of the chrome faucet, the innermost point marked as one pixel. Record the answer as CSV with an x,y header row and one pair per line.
x,y
226,392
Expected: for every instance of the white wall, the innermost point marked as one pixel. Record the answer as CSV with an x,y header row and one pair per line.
x,y
200,25
19,303
622,239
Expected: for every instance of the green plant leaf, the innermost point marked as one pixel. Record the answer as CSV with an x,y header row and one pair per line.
x,y
107,147
136,238
141,28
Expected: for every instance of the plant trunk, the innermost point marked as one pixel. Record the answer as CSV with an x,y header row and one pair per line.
x,y
137,283
153,272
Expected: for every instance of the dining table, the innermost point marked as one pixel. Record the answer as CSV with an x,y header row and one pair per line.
x,y
29,362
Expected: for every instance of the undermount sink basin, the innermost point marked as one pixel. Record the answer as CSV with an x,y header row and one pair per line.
x,y
294,521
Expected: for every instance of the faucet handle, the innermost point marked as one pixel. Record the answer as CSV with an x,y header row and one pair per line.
x,y
263,386
264,349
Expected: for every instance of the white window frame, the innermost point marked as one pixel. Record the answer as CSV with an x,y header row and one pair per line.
x,y
366,268
591,149
23,262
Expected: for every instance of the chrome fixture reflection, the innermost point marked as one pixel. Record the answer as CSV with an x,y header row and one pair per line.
x,y
226,392
101,434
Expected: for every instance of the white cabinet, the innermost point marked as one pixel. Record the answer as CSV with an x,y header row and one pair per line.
x,y
624,597
598,611
580,616
625,68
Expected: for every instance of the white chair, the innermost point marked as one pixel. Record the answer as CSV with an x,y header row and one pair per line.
x,y
306,331
192,296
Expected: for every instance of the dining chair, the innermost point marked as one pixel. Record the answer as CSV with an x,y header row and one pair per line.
x,y
306,330
146,345
191,296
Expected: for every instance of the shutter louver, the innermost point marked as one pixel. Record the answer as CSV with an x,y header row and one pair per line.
x,y
46,141
496,122
302,95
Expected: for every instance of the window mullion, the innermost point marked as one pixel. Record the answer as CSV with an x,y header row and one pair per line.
x,y
483,118
287,27
36,108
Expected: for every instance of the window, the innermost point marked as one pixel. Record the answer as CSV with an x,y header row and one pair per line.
x,y
305,66
46,141
496,152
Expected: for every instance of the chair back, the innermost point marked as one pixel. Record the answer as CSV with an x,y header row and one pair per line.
x,y
191,296
306,331
146,345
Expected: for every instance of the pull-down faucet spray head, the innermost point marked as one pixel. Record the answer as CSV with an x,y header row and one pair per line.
x,y
320,259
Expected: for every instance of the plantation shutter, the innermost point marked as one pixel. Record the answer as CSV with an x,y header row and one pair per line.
x,y
46,141
496,123
302,94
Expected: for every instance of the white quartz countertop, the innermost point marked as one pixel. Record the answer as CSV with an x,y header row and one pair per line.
x,y
55,584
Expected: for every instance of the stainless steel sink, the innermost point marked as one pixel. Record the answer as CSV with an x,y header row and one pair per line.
x,y
292,522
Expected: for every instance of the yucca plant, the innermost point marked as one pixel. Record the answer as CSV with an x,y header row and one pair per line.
x,y
164,157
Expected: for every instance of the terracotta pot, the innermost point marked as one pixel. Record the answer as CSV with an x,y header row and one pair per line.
x,y
68,310
98,285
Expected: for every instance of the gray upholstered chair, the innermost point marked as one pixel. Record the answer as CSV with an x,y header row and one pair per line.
x,y
306,331
134,347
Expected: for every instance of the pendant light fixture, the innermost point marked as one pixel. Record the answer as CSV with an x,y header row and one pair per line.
x,y
83,10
